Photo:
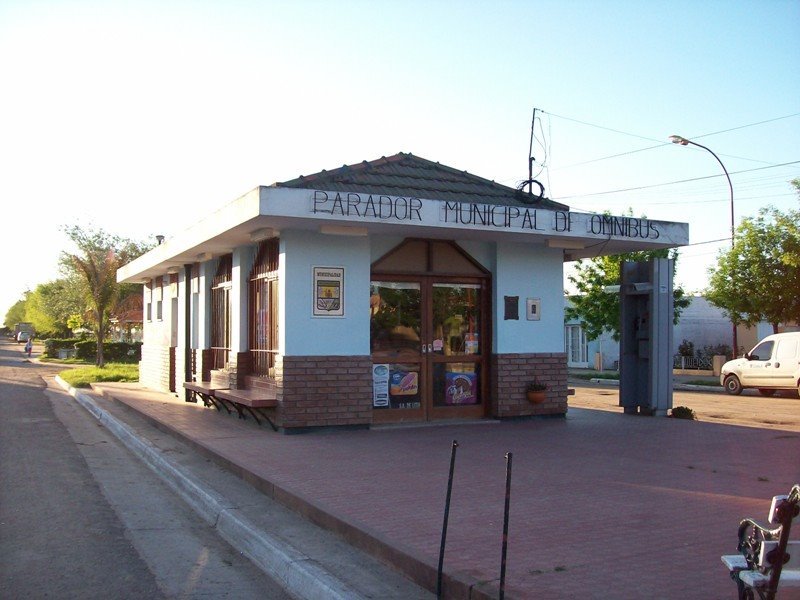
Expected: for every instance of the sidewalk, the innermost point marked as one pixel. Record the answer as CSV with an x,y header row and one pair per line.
x,y
602,505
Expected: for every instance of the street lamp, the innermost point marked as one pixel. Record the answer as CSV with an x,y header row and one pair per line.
x,y
676,139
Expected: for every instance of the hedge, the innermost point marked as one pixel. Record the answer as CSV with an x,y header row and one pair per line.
x,y
112,351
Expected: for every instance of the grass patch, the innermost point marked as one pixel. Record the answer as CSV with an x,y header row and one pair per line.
x,y
595,375
65,361
81,378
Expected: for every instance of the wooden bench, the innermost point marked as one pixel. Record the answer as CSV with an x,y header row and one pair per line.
x,y
768,558
205,390
253,401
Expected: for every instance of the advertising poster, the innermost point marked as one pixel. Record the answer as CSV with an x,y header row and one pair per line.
x,y
328,292
380,386
461,388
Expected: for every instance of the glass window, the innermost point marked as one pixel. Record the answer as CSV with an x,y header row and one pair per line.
x,y
456,318
762,352
395,316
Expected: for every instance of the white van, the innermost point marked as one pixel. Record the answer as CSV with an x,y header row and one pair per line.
x,y
774,364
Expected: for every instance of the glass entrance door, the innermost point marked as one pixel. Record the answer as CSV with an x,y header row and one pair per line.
x,y
428,340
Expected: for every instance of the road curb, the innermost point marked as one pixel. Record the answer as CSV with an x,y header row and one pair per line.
x,y
300,575
676,386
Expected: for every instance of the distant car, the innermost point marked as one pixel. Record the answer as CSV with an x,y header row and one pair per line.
x,y
23,336
774,364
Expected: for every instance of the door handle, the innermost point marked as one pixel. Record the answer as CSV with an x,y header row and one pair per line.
x,y
430,347
424,348
767,364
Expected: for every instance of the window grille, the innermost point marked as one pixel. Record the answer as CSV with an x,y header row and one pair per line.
x,y
263,321
221,313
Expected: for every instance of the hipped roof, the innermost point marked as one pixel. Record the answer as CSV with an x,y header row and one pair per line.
x,y
404,174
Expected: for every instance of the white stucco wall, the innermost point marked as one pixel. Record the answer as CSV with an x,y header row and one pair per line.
x,y
301,333
528,271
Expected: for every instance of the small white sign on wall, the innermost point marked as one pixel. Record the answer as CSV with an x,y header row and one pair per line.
x,y
328,291
533,309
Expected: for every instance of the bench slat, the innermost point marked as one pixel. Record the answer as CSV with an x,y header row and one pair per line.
x,y
201,386
789,578
252,398
734,561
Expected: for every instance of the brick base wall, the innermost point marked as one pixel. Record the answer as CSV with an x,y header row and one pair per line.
x,y
511,374
154,368
323,391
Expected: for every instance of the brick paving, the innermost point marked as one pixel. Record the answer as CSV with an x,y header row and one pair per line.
x,y
603,505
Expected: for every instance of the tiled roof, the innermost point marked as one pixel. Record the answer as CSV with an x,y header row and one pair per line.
x,y
407,175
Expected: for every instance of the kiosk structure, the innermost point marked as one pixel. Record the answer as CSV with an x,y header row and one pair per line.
x,y
395,290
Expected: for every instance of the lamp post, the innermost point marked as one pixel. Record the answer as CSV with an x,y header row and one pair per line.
x,y
676,139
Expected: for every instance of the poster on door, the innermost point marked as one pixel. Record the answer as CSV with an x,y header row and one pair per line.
x,y
380,386
461,388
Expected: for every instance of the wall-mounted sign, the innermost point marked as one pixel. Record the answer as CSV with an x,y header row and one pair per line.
x,y
328,291
534,309
511,308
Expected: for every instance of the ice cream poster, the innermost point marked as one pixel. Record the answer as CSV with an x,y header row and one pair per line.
x,y
461,388
404,383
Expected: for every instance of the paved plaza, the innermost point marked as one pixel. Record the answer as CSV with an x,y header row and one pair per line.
x,y
603,505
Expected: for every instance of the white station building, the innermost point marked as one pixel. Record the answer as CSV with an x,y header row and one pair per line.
x,y
396,290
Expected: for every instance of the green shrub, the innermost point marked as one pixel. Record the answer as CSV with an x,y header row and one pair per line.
x,y
53,345
84,376
112,351
683,412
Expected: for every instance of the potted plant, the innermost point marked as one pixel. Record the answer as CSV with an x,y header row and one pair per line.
x,y
535,391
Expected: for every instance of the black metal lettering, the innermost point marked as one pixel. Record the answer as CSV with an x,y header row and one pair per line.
x,y
512,213
397,207
320,198
448,207
353,200
337,205
370,208
563,221
415,206
385,204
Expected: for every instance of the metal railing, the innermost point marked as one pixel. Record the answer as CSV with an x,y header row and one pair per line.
x,y
692,363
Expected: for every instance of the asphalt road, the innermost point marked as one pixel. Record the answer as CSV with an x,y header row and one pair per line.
x,y
751,409
80,517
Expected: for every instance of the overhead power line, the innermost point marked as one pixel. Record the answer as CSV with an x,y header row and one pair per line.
x,y
645,187
660,143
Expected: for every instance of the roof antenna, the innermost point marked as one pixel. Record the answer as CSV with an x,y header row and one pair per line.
x,y
530,198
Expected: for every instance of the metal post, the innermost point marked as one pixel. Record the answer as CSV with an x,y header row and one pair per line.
x,y
446,516
509,456
676,139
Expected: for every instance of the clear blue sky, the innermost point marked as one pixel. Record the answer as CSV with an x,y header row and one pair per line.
x,y
141,117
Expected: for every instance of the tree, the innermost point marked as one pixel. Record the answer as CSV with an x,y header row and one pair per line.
x,y
50,306
598,310
96,261
757,279
16,314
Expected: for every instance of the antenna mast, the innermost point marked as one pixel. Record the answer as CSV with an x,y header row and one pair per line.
x,y
530,155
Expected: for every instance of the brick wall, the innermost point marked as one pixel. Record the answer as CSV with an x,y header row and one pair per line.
x,y
511,374
154,368
323,391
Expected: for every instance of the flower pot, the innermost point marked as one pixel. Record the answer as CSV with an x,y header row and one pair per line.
x,y
536,397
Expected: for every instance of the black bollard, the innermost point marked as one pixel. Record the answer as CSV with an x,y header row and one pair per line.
x,y
509,456
446,515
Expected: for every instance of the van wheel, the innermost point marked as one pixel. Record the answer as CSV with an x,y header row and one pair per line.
x,y
732,385
766,392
